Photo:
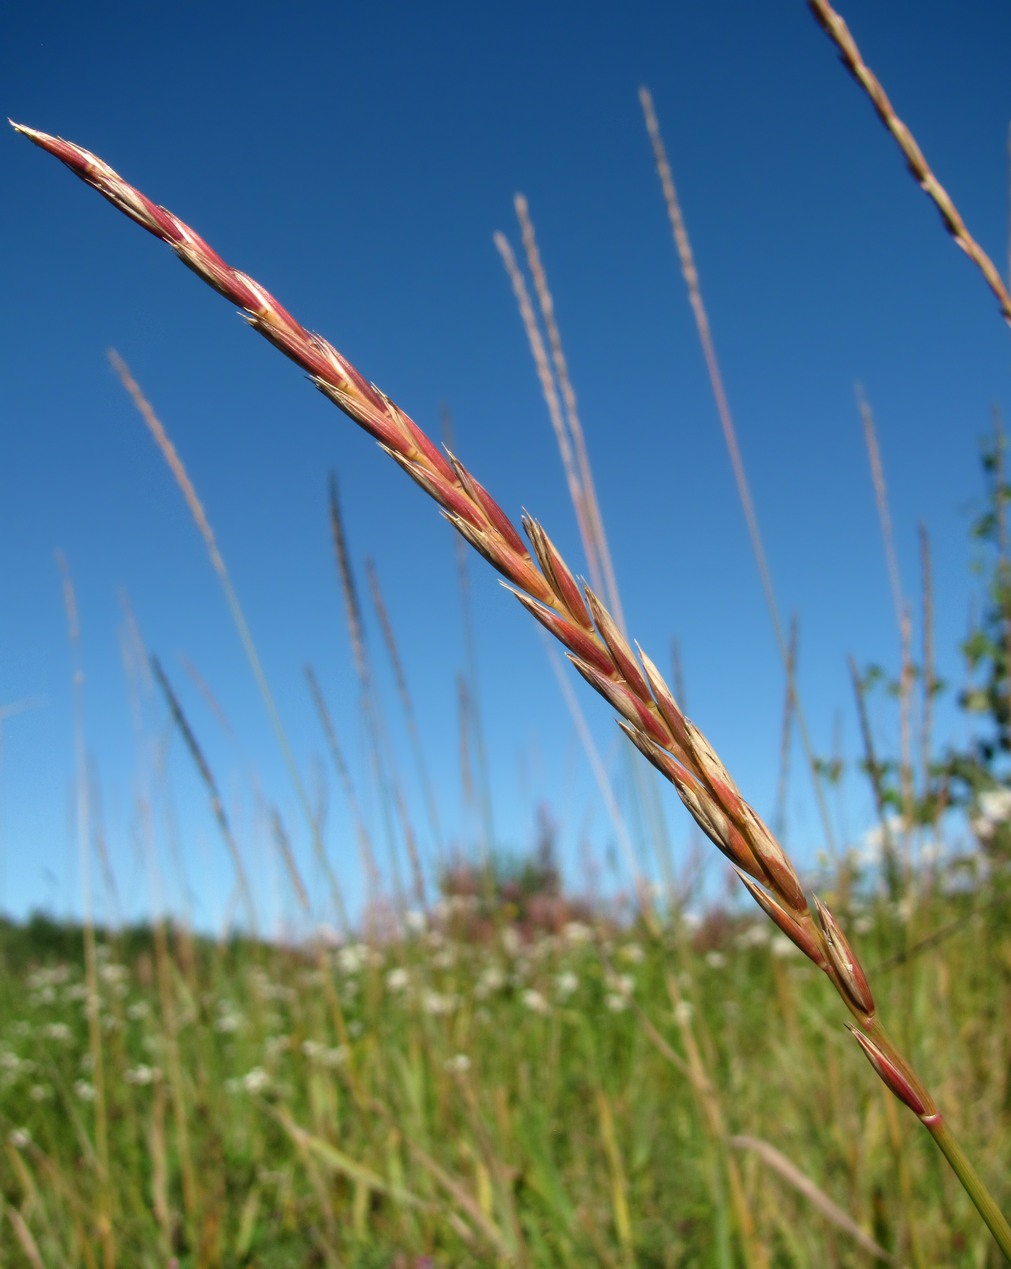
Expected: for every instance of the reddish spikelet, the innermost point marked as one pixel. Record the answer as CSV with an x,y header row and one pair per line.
x,y
770,855
576,640
622,698
798,932
452,500
661,758
558,573
624,658
844,962
489,545
492,510
898,1081
718,828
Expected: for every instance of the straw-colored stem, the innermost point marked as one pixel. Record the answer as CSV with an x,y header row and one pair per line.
x,y
839,33
406,703
597,545
210,784
786,731
473,678
196,509
94,1002
691,276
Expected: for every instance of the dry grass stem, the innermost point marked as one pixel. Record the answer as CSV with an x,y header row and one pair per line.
x,y
473,679
543,583
596,547
378,738
550,392
881,502
406,703
840,35
817,1197
365,852
691,277
786,731
178,470
928,677
210,784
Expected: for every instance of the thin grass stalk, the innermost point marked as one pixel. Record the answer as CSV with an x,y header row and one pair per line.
x,y
907,680
178,469
1007,234
691,277
550,393
472,676
366,853
24,1236
902,619
386,774
210,784
633,686
208,697
597,547
881,502
283,843
816,1197
1000,500
712,1113
928,675
104,1219
839,33
407,705
876,775
786,731
498,1169
369,705
605,787
100,843
140,679
582,490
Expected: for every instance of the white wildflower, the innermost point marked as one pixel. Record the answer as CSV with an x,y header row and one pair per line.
x,y
492,979
565,984
459,1064
256,1080
352,958
142,1074
437,1004
398,979
84,1090
534,1001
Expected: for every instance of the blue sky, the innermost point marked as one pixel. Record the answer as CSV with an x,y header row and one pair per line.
x,y
356,160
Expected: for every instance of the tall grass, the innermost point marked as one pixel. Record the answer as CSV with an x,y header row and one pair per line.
x,y
503,1079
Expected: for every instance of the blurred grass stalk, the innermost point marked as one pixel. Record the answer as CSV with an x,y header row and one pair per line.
x,y
579,620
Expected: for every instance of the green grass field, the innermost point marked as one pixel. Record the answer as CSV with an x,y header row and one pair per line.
x,y
591,1095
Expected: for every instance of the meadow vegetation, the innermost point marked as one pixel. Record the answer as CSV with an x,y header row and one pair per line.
x,y
519,1075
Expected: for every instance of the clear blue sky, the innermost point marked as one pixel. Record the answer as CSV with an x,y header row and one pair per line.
x,y
356,159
